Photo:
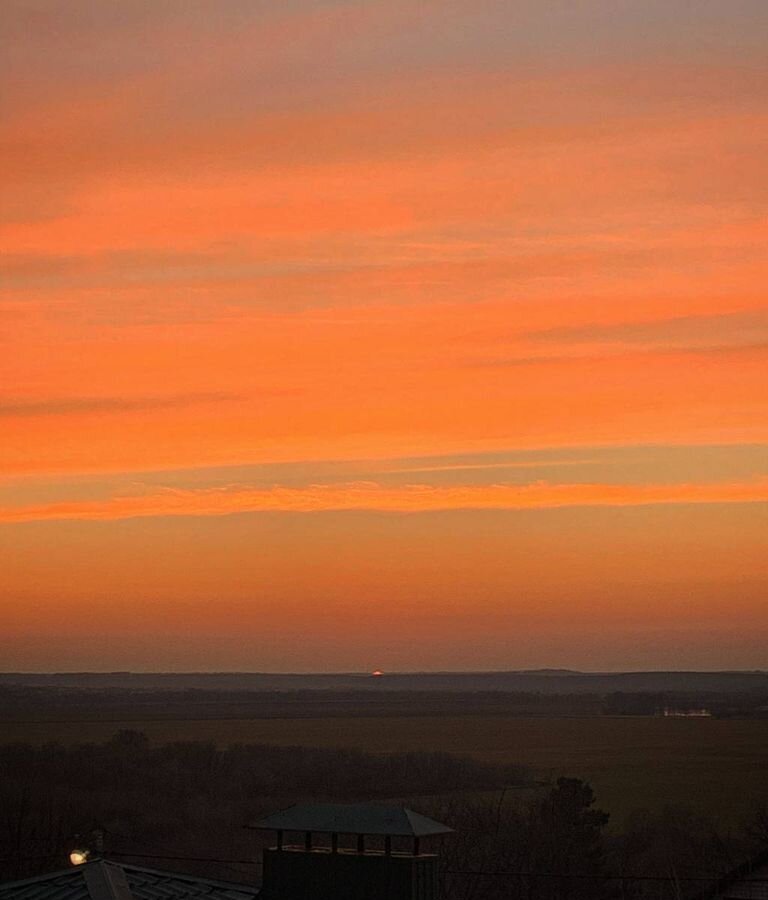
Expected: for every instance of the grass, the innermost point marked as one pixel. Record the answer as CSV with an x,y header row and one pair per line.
x,y
716,765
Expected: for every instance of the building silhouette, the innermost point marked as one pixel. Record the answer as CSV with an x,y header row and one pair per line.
x,y
350,852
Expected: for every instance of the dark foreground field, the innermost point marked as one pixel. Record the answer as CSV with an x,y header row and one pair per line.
x,y
632,762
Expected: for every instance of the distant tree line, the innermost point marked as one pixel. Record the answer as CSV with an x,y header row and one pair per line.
x,y
31,702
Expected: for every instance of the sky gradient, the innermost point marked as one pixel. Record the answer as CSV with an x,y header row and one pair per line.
x,y
401,335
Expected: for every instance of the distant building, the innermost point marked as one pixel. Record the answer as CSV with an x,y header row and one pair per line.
x,y
670,712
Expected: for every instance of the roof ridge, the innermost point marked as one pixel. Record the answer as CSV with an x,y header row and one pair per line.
x,y
352,818
59,873
187,876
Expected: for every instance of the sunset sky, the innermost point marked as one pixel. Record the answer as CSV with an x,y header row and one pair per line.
x,y
386,334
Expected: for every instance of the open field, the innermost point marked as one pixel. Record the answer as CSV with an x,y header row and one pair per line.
x,y
718,765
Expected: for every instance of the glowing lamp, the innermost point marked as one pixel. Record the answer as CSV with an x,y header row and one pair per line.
x,y
78,857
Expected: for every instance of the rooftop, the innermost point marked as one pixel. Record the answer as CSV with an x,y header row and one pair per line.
x,y
351,818
104,880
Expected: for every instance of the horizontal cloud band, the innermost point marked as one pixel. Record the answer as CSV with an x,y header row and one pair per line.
x,y
376,497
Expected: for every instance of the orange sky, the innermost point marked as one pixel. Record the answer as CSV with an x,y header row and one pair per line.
x,y
405,335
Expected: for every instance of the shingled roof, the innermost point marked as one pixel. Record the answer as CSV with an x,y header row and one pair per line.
x,y
104,880
351,818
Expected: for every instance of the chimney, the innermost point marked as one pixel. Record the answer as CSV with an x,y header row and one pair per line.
x,y
335,858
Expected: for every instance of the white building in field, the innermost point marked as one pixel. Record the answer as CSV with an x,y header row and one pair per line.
x,y
670,712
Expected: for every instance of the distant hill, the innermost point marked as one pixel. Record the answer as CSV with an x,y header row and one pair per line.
x,y
543,681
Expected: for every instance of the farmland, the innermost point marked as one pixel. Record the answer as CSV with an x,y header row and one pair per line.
x,y
556,723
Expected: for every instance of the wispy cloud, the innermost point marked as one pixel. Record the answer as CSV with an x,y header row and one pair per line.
x,y
509,464
747,328
621,352
372,496
63,406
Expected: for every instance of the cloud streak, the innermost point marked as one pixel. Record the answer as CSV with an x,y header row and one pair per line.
x,y
742,328
65,406
371,496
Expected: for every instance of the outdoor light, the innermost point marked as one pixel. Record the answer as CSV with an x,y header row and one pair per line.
x,y
78,857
